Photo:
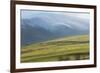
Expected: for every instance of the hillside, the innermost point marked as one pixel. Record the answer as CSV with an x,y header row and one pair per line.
x,y
62,49
48,25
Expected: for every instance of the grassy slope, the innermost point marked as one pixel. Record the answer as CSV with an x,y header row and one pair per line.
x,y
67,48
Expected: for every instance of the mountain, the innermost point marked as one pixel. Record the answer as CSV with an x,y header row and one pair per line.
x,y
50,26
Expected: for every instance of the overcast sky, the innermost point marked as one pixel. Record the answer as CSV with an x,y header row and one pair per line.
x,y
32,13
70,19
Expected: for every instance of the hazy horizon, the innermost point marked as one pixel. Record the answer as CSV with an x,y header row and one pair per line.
x,y
43,25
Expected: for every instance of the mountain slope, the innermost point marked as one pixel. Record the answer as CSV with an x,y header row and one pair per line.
x,y
47,26
67,48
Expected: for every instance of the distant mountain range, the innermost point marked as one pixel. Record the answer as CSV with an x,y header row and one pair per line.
x,y
50,26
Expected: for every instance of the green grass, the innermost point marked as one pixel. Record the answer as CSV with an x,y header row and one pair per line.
x,y
62,49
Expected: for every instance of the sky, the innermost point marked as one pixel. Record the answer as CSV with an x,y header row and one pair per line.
x,y
34,13
70,19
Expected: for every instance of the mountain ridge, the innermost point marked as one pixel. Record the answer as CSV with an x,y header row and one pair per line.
x,y
41,28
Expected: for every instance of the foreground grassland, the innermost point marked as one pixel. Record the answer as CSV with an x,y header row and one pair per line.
x,y
63,49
